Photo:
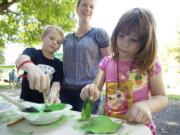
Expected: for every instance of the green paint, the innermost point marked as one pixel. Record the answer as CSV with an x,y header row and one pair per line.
x,y
56,107
52,107
101,125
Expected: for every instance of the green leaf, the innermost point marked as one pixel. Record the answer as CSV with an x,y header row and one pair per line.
x,y
23,21
101,125
86,110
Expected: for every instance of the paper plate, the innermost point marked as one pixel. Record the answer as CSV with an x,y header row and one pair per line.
x,y
4,106
42,118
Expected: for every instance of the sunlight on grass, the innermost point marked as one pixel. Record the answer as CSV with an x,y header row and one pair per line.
x,y
176,97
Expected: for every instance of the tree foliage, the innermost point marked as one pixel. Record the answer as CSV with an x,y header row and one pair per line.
x,y
22,20
2,59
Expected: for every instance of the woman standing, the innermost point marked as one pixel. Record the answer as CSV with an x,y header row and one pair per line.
x,y
82,52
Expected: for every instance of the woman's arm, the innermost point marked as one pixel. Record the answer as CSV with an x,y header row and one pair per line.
x,y
105,51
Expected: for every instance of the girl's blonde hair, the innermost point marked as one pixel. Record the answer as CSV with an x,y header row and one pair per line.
x,y
138,21
49,28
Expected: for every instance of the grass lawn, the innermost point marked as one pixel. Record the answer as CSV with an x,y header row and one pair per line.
x,y
176,97
5,85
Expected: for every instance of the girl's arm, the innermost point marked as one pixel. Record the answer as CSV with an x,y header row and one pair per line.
x,y
158,99
141,111
54,93
91,91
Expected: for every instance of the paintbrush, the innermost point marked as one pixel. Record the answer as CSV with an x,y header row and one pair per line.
x,y
45,96
15,122
20,105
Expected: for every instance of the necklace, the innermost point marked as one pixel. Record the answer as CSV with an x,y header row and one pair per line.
x,y
122,77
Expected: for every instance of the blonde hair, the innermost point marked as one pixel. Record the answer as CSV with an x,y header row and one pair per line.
x,y
49,28
141,22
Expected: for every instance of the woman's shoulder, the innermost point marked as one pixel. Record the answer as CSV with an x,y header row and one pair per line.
x,y
68,35
101,37
99,31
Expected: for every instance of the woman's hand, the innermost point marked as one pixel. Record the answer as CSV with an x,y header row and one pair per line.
x,y
140,112
90,91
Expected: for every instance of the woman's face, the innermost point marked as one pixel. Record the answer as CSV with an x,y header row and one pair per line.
x,y
127,45
85,10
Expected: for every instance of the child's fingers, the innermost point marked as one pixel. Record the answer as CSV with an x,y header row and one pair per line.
x,y
86,93
37,83
131,115
89,92
47,86
96,94
43,82
31,82
83,94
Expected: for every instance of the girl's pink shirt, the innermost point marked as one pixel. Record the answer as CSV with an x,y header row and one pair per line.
x,y
141,92
109,66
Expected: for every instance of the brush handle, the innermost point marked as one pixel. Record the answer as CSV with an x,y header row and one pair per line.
x,y
18,104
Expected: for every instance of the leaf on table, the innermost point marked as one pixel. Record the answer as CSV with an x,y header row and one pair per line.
x,y
101,125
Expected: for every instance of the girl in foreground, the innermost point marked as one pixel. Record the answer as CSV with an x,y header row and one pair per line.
x,y
132,71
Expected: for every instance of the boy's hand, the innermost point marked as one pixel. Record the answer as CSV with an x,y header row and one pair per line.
x,y
53,99
38,80
91,92
139,112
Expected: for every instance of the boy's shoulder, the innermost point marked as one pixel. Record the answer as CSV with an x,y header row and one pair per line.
x,y
58,61
31,50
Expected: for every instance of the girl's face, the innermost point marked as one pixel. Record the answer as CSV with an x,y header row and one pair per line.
x,y
85,10
127,45
51,41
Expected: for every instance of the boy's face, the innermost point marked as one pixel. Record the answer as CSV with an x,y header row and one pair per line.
x,y
51,41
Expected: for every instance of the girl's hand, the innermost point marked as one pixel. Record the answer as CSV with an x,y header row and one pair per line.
x,y
139,112
91,92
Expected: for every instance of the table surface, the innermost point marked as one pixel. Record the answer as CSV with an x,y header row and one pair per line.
x,y
67,125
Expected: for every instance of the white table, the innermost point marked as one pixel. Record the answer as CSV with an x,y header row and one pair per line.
x,y
66,126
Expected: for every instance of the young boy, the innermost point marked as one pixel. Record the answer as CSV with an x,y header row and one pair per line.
x,y
42,71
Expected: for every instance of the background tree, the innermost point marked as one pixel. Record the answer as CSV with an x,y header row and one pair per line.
x,y
2,59
22,20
